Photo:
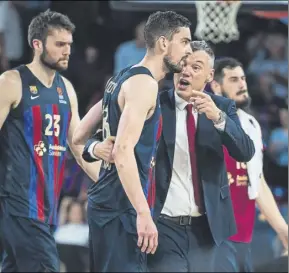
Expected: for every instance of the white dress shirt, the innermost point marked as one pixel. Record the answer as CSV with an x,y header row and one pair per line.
x,y
180,199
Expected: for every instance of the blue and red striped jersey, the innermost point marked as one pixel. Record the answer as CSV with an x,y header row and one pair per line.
x,y
33,147
108,192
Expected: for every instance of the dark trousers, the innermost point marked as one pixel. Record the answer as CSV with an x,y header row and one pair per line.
x,y
183,248
234,257
28,245
113,244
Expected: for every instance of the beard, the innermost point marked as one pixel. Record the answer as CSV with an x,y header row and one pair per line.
x,y
172,67
244,104
53,65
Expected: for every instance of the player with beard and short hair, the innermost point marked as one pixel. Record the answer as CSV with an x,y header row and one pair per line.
x,y
247,183
121,205
38,115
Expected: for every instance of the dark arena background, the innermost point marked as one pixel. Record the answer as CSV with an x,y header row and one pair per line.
x,y
109,37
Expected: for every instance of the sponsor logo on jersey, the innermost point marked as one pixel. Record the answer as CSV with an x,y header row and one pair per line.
x,y
40,148
54,150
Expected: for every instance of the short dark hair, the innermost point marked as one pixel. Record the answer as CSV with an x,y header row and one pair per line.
x,y
41,25
203,46
220,64
163,23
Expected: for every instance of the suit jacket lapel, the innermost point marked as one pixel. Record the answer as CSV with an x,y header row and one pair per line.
x,y
169,123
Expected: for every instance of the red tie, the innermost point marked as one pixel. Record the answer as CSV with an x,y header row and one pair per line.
x,y
191,129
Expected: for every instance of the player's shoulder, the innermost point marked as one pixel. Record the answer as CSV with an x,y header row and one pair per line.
x,y
11,86
144,85
69,87
67,83
10,77
144,79
250,118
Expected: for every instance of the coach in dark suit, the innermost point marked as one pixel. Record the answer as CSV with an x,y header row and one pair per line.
x,y
193,206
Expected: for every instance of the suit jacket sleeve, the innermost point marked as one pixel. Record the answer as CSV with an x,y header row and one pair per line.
x,y
86,155
238,143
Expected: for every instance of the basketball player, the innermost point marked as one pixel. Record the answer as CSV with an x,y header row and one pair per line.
x,y
121,204
247,182
38,114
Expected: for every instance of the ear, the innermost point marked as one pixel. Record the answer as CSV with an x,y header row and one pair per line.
x,y
37,44
162,43
216,88
210,76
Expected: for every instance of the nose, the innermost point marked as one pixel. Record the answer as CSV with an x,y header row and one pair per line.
x,y
189,49
185,73
67,50
242,84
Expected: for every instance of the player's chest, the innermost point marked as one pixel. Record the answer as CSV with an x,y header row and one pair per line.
x,y
33,95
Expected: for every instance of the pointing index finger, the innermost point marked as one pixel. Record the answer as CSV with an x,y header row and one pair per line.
x,y
198,94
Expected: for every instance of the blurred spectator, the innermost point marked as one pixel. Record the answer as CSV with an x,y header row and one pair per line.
x,y
271,60
131,52
11,36
72,237
278,144
87,72
277,169
75,230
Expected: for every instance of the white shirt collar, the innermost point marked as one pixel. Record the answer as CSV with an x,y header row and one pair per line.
x,y
180,103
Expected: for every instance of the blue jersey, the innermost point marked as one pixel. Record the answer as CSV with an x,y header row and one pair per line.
x,y
33,148
108,191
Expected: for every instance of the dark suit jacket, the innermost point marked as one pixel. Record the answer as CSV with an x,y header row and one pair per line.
x,y
210,160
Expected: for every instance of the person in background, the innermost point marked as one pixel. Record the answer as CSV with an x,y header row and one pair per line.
x,y
131,52
278,146
246,180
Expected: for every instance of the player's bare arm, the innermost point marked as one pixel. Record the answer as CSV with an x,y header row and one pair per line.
x,y
91,169
10,93
269,208
88,125
139,94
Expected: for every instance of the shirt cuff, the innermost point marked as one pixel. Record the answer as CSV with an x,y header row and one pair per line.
x,y
221,126
91,148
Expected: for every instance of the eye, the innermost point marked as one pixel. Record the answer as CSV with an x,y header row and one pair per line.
x,y
196,68
234,80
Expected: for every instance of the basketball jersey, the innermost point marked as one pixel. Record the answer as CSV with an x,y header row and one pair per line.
x,y
244,208
108,191
33,148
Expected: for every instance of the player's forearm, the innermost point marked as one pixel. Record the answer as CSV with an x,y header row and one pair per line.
x,y
126,165
88,125
91,169
269,208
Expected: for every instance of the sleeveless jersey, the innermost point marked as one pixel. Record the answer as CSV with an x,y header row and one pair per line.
x,y
244,208
33,148
108,191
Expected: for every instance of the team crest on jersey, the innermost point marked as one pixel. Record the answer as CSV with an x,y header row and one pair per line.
x,y
60,94
33,89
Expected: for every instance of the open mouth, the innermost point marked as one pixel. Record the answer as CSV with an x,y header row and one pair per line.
x,y
183,84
